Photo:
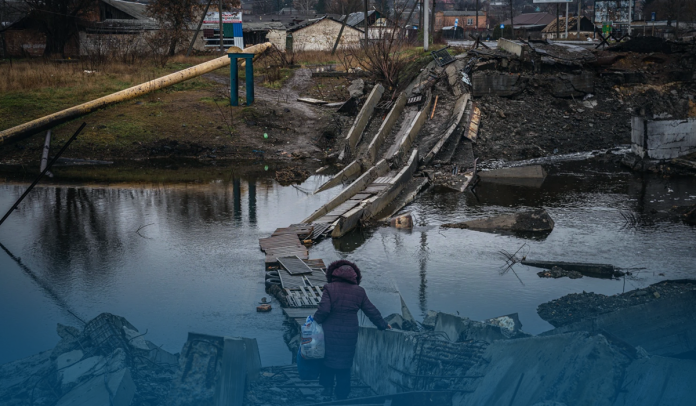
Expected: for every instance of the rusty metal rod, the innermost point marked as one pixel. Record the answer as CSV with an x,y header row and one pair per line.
x,y
50,164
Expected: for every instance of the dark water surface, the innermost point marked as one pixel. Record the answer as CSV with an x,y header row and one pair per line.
x,y
176,258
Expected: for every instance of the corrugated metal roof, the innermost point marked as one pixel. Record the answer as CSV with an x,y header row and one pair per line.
x,y
263,26
356,18
136,10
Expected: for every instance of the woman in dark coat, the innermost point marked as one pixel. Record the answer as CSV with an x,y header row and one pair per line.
x,y
338,315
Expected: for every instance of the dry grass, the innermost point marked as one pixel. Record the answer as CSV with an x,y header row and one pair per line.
x,y
32,74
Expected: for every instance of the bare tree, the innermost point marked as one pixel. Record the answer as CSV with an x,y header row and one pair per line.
x,y
174,17
305,6
384,56
344,6
58,20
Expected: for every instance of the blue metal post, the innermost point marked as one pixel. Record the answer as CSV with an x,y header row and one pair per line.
x,y
234,85
250,80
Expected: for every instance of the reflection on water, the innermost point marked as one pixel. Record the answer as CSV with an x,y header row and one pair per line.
x,y
184,257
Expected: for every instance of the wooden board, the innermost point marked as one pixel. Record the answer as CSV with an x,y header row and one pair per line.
x,y
373,188
294,265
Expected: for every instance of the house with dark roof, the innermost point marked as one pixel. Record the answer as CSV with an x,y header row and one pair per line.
x,y
461,18
530,24
556,28
25,37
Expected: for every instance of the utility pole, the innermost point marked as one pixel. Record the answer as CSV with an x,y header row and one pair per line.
x,y
426,24
630,16
558,21
365,24
222,44
512,22
432,26
579,17
566,35
477,8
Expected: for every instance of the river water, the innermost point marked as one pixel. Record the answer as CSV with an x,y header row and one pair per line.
x,y
180,257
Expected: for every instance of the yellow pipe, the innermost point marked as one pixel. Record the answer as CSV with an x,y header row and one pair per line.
x,y
44,123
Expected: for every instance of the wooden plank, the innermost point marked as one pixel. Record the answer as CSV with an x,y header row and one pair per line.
x,y
299,312
319,291
294,265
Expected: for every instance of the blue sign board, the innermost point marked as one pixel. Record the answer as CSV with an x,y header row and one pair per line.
x,y
653,16
502,26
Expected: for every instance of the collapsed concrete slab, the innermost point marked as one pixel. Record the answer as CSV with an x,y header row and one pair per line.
x,y
536,221
576,369
658,381
661,327
110,389
459,329
529,176
662,139
215,369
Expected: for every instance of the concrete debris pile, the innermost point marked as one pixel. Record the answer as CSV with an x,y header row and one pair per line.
x,y
629,352
107,363
579,306
110,363
584,99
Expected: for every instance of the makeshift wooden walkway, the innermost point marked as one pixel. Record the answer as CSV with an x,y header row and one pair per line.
x,y
301,278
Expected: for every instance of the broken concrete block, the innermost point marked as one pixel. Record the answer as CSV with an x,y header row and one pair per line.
x,y
460,329
114,389
211,367
658,381
576,369
661,327
530,176
356,88
535,221
567,86
135,339
430,319
497,84
231,381
402,221
395,320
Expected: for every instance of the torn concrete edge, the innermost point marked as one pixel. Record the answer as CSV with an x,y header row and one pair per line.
x,y
531,176
380,169
396,184
367,209
460,106
404,144
458,329
356,167
510,47
355,132
663,139
386,127
410,197
346,174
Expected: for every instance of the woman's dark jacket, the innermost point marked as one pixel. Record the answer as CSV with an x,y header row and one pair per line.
x,y
338,313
